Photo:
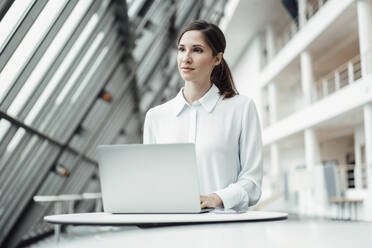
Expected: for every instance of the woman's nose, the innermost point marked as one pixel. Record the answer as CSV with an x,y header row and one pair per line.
x,y
187,58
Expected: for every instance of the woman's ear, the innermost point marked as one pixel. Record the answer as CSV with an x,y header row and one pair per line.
x,y
218,58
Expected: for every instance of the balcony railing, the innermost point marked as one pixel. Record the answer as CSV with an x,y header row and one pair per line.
x,y
286,35
313,6
353,176
292,27
360,174
344,75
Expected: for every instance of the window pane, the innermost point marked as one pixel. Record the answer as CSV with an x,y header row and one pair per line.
x,y
89,75
79,69
134,6
12,19
16,139
4,127
28,45
71,56
49,56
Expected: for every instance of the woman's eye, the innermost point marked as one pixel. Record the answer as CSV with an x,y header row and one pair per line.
x,y
198,50
181,49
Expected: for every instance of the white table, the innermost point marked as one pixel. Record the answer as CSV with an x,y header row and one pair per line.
x,y
254,230
140,219
70,199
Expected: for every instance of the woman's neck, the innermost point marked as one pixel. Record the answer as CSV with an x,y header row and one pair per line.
x,y
194,91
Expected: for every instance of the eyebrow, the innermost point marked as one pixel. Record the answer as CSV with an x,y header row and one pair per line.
x,y
196,45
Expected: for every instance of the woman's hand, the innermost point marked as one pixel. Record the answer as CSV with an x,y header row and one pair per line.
x,y
210,201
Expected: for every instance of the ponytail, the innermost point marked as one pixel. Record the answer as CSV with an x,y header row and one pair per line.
x,y
221,76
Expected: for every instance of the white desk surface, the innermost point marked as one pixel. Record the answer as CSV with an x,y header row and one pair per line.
x,y
290,233
134,219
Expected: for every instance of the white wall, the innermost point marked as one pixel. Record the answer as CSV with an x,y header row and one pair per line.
x,y
246,71
289,159
292,157
336,149
290,101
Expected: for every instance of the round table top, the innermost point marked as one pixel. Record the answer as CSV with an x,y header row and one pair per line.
x,y
138,219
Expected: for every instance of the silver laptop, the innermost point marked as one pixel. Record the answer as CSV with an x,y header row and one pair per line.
x,y
158,178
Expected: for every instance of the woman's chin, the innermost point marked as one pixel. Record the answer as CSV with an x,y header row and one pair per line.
x,y
188,78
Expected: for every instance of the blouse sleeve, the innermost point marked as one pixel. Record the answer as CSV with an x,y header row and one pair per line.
x,y
148,135
247,190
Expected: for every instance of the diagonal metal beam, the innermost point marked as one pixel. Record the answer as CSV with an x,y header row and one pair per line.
x,y
4,7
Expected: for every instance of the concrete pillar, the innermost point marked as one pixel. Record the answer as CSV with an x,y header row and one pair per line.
x,y
307,77
358,161
365,34
350,73
272,94
265,107
257,44
301,4
312,152
274,159
368,156
368,141
273,103
260,105
270,42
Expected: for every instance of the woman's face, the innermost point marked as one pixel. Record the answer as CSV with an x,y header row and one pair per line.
x,y
195,59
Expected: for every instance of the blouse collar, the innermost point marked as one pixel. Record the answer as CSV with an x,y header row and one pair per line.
x,y
208,101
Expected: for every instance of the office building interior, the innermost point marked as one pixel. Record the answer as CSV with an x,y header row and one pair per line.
x,y
75,74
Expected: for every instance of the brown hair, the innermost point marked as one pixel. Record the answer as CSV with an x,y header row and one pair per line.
x,y
221,75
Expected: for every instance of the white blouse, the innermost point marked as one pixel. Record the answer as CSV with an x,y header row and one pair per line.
x,y
227,137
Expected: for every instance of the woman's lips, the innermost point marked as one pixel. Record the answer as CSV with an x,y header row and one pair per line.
x,y
186,69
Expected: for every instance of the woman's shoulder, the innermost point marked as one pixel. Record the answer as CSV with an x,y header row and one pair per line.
x,y
163,109
238,100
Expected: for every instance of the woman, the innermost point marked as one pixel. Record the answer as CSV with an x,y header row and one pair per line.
x,y
209,112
